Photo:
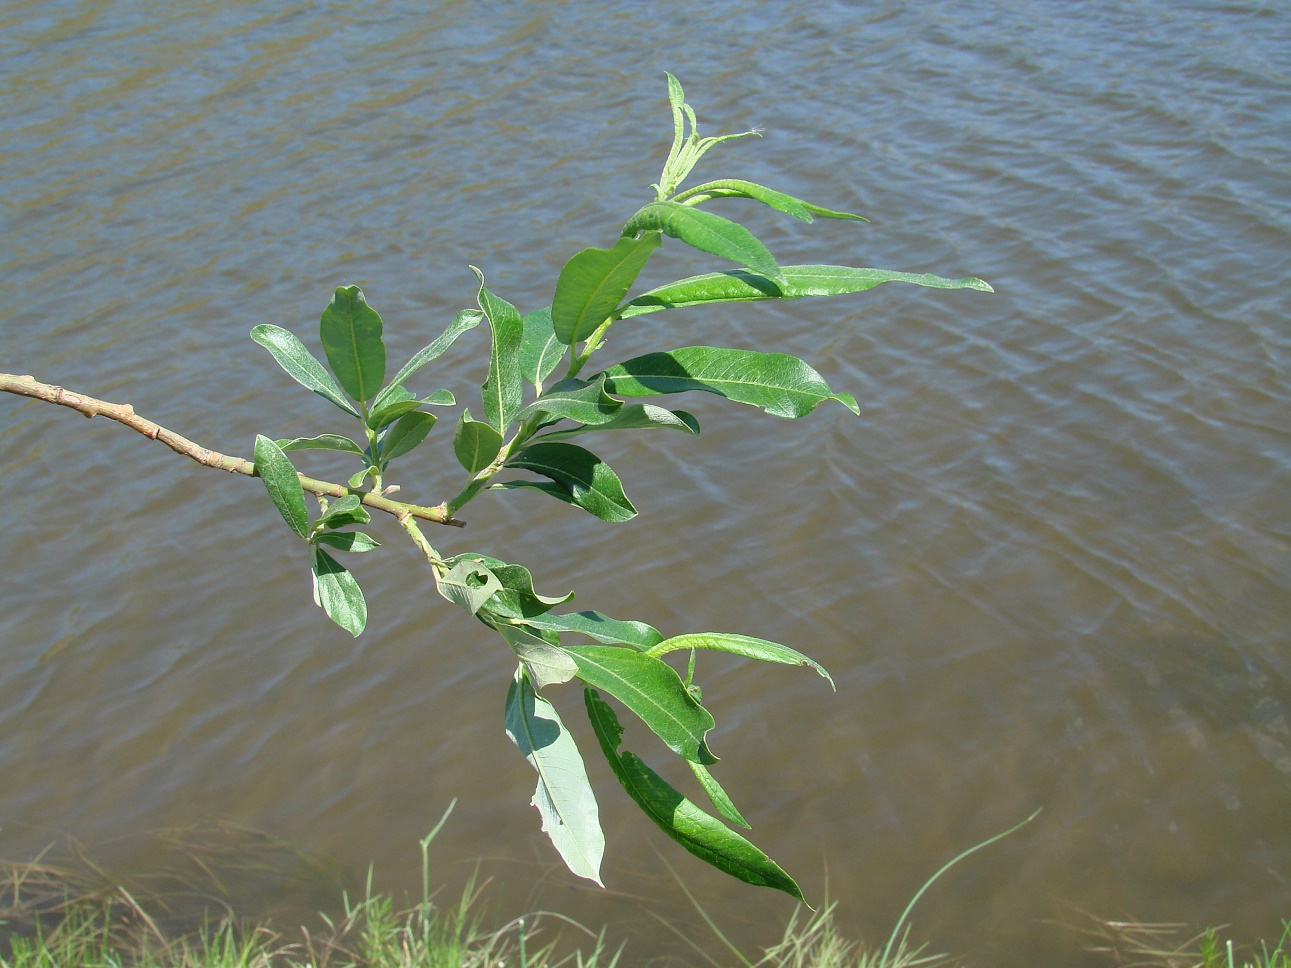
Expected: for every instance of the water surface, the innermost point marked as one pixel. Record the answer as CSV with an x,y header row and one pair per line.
x,y
1048,566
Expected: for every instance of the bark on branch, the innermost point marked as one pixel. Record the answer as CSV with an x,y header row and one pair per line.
x,y
123,413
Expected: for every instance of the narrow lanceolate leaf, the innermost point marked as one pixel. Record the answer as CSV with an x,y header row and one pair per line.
x,y
636,416
337,591
503,390
322,442
573,399
300,364
406,433
781,385
466,319
475,443
703,835
564,797
545,664
725,806
590,483
352,541
602,628
707,232
468,583
351,334
282,483
540,350
738,188
594,282
738,285
653,691
744,645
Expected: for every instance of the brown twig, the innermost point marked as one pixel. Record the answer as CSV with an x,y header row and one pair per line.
x,y
123,413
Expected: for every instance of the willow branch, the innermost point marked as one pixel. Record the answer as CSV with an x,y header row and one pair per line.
x,y
123,413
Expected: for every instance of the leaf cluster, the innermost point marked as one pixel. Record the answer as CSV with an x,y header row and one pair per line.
x,y
532,435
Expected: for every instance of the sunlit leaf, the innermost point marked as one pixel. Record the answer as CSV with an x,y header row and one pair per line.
x,y
744,645
720,799
337,591
564,796
737,285
515,598
322,442
351,333
573,399
707,232
602,628
282,483
653,691
300,364
503,390
468,583
780,384
738,188
590,483
345,511
545,664
351,541
406,433
540,350
635,416
475,443
466,319
594,282
701,834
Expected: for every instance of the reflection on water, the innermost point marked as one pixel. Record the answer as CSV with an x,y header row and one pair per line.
x,y
1048,566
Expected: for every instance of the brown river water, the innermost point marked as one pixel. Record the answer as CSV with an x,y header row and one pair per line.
x,y
1049,566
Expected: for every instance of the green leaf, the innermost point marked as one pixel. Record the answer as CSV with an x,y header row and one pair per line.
x,y
590,483
322,442
300,364
282,483
468,583
564,796
744,645
738,285
503,390
345,511
725,806
467,319
352,541
602,628
653,691
475,443
543,662
337,591
738,188
701,834
781,385
400,402
540,350
358,477
636,416
708,233
573,399
351,333
594,282
405,434
516,598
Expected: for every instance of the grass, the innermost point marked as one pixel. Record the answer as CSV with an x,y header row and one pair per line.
x,y
73,915
1136,944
